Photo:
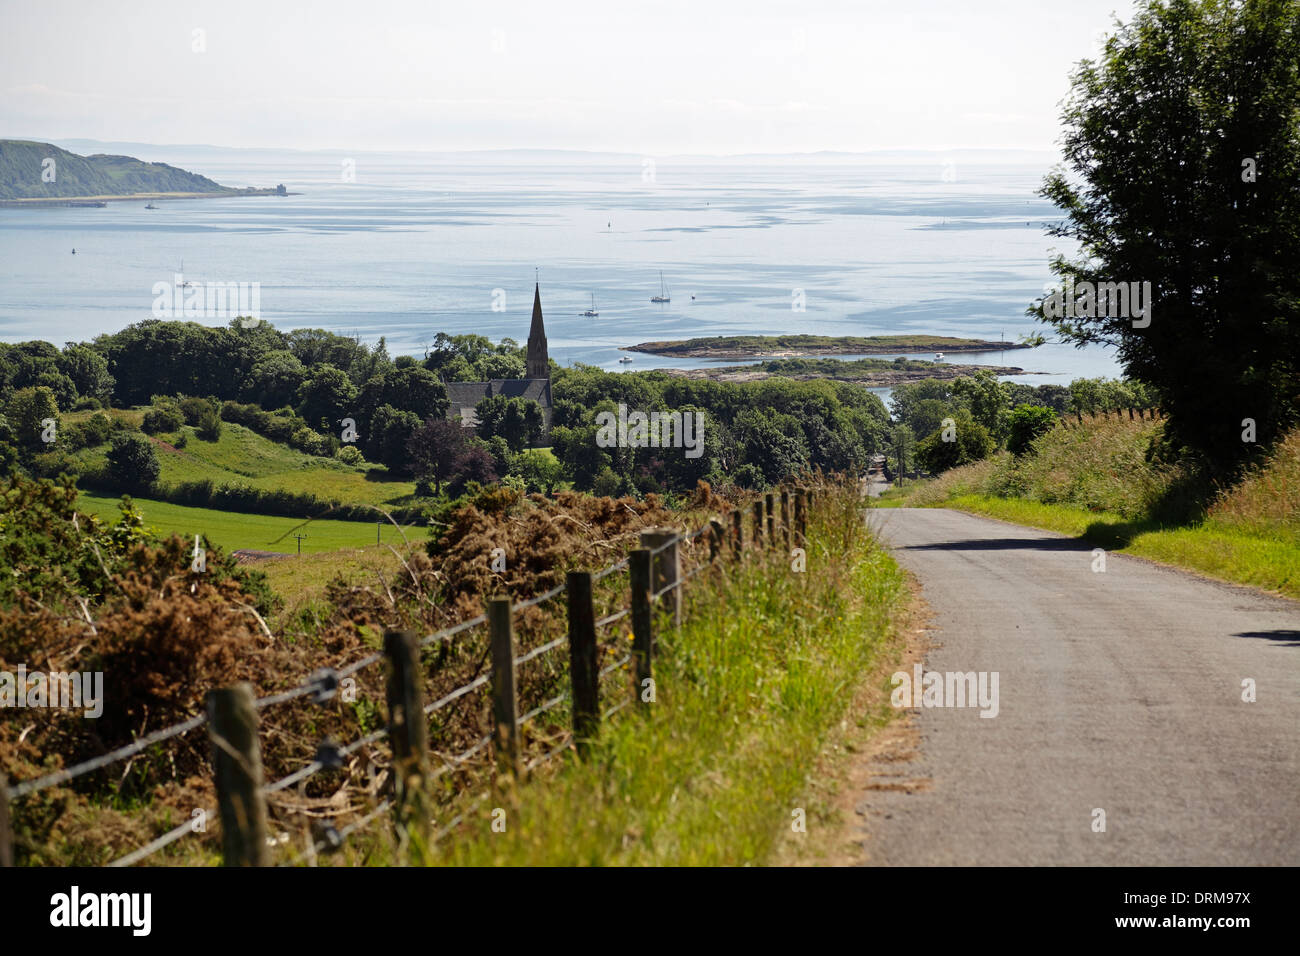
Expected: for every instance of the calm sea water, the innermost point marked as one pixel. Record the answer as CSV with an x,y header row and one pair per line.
x,y
410,249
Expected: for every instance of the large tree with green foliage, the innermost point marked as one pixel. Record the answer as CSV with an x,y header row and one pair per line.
x,y
1182,142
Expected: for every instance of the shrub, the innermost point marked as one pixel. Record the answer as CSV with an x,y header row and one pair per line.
x,y
310,442
164,415
195,408
132,462
86,402
98,428
51,464
967,441
606,483
209,427
1026,423
350,455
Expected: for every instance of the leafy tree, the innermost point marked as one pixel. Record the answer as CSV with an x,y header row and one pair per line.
x,y
606,483
327,398
970,441
412,389
987,400
88,371
1183,157
518,420
274,379
28,411
500,366
538,469
132,462
386,437
440,451
65,393
1026,423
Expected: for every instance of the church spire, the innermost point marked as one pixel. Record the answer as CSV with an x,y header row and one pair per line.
x,y
538,363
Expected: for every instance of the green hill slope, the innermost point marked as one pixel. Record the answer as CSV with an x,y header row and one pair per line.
x,y
242,457
23,171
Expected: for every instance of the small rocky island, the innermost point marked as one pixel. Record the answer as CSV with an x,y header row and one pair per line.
x,y
801,346
869,373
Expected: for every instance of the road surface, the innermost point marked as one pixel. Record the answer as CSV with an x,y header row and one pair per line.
x,y
1118,691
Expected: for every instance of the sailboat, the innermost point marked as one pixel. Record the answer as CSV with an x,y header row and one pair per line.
x,y
592,313
151,206
186,284
663,295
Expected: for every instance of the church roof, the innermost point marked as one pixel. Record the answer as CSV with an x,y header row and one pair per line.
x,y
465,395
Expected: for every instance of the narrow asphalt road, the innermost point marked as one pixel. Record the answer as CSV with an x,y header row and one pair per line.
x,y
1119,691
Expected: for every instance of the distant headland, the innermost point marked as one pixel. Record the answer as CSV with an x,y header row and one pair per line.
x,y
42,174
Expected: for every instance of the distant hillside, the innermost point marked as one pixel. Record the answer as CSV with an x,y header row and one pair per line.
x,y
23,163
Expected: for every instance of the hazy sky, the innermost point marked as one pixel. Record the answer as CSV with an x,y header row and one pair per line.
x,y
669,76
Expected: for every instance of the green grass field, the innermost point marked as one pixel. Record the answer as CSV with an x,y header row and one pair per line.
x,y
243,457
231,530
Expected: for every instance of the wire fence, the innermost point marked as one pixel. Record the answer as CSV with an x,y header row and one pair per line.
x,y
324,684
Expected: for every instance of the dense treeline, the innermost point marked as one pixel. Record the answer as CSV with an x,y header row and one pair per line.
x,y
751,434
941,424
332,396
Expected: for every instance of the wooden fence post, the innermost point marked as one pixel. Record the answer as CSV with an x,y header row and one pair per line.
x,y
583,667
785,519
407,731
505,714
811,494
666,568
715,538
800,517
639,572
237,769
769,504
6,832
756,540
737,535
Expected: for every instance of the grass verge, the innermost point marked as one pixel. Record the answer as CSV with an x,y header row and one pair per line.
x,y
1271,562
766,665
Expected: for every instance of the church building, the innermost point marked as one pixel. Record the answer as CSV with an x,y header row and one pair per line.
x,y
464,396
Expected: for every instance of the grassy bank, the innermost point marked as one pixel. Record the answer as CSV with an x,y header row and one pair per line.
x,y
1100,482
240,456
766,664
233,530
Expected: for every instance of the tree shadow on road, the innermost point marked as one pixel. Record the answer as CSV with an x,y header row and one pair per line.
x,y
1284,636
1003,544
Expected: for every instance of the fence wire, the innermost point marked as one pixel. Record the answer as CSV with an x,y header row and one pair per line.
x,y
320,684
